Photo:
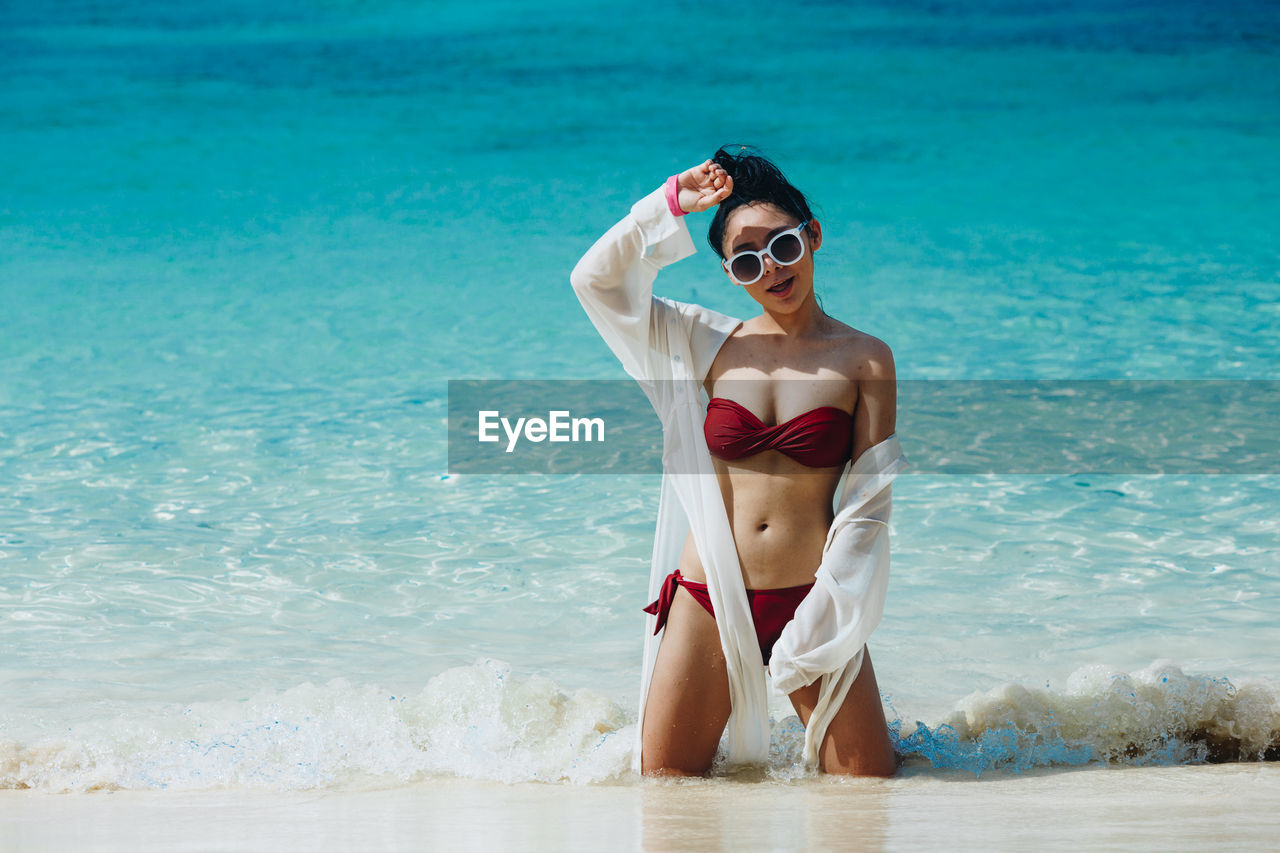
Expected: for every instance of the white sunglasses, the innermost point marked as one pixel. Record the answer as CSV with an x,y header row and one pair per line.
x,y
747,267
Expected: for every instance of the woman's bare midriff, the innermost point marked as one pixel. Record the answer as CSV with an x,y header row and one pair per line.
x,y
779,512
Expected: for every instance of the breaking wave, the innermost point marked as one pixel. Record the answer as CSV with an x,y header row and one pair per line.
x,y
481,722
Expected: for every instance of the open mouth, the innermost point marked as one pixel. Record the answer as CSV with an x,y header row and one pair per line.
x,y
783,287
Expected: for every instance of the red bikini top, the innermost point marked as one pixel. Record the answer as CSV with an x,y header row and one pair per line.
x,y
819,438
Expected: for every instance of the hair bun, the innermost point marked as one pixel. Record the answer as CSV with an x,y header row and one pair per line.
x,y
746,165
755,181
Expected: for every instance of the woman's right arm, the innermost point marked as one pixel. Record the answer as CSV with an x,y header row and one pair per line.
x,y
614,279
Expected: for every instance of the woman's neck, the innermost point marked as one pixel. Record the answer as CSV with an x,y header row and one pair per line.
x,y
801,323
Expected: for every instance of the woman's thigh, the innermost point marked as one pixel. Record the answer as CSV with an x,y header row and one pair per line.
x,y
688,702
857,741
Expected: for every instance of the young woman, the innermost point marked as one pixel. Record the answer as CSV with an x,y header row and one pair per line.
x,y
779,448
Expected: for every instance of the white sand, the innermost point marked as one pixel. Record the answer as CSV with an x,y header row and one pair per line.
x,y
1175,808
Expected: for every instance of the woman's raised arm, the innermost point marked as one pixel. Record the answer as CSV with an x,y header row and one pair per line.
x,y
614,279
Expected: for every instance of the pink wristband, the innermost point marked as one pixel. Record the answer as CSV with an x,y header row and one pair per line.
x,y
673,196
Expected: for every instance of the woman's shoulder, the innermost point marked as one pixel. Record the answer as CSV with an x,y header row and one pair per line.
x,y
863,354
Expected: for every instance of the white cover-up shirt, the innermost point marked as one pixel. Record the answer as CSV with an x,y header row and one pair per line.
x,y
668,348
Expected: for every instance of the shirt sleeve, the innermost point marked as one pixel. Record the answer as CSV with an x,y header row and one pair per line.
x,y
836,618
614,279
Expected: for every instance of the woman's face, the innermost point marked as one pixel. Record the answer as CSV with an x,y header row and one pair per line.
x,y
782,289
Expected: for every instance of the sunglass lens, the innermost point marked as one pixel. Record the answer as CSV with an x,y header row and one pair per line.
x,y
745,268
787,248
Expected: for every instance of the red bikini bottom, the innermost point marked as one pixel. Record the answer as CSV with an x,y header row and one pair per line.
x,y
771,609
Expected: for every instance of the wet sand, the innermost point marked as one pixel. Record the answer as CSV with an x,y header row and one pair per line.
x,y
1166,808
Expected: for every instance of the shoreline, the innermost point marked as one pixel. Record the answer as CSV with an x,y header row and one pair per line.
x,y
1201,807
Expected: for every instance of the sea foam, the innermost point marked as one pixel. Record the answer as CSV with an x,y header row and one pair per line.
x,y
1158,715
476,721
484,722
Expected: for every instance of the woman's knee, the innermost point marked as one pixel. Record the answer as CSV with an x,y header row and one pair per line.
x,y
868,766
672,769
679,744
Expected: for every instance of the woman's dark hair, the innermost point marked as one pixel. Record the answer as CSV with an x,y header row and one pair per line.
x,y
755,181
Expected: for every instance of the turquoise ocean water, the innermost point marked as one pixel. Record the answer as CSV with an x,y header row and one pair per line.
x,y
243,247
